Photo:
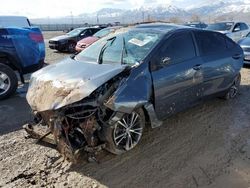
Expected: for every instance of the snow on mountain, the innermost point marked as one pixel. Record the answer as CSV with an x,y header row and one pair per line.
x,y
217,8
207,10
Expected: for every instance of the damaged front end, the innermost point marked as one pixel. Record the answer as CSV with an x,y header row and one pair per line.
x,y
69,110
89,105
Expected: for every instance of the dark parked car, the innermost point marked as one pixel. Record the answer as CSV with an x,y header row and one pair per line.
x,y
199,25
245,45
103,97
234,30
22,50
84,43
68,41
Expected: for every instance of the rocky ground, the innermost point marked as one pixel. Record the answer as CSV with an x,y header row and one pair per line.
x,y
206,146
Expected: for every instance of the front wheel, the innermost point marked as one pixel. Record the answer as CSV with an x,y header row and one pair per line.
x,y
234,89
71,47
8,81
125,134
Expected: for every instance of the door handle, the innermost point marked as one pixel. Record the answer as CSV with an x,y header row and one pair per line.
x,y
237,56
197,67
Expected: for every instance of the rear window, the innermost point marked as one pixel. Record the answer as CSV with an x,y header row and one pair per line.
x,y
211,42
14,22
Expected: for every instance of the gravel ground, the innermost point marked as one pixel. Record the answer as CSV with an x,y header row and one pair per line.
x,y
206,146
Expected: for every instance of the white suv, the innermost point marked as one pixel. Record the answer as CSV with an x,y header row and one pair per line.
x,y
234,30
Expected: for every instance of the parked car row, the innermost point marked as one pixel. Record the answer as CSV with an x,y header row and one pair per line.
x,y
68,41
103,97
234,30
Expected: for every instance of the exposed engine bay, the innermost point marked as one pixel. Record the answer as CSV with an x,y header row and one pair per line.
x,y
79,126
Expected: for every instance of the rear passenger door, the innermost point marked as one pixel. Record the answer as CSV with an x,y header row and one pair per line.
x,y
176,75
217,61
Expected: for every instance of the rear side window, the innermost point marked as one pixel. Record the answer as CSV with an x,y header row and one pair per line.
x,y
179,49
243,26
93,31
210,42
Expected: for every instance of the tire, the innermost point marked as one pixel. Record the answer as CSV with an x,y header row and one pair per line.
x,y
119,145
234,89
71,47
8,81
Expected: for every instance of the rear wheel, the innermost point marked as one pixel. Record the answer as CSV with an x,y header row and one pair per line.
x,y
125,134
234,89
8,81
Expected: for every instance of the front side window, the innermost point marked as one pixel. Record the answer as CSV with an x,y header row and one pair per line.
x,y
74,32
237,27
210,42
86,32
180,48
126,48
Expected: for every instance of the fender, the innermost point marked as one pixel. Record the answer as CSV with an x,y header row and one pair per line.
x,y
10,60
127,97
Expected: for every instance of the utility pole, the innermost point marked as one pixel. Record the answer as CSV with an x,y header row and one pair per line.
x,y
97,19
72,19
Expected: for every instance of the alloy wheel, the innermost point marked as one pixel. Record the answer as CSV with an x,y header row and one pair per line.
x,y
4,83
128,131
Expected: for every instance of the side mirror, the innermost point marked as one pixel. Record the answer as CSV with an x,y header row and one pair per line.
x,y
165,61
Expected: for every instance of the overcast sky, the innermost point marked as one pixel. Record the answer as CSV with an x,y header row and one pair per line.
x,y
57,8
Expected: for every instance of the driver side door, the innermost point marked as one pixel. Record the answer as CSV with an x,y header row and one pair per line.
x,y
177,75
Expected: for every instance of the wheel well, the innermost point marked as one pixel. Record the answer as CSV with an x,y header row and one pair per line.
x,y
6,60
147,117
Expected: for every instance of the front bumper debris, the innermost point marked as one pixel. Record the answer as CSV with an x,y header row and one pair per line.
x,y
62,144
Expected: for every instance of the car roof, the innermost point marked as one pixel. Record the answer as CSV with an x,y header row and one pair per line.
x,y
163,27
13,17
83,28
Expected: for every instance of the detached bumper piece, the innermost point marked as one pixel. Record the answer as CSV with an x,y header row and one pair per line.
x,y
69,146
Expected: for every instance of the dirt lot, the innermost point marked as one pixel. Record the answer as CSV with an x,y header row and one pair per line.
x,y
206,146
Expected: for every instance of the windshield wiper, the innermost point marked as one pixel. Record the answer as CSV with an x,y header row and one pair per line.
x,y
100,57
124,50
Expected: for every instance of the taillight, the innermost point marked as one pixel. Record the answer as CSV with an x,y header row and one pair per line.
x,y
37,37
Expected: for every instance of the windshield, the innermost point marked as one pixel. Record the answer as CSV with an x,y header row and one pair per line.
x,y
220,26
103,32
127,48
74,32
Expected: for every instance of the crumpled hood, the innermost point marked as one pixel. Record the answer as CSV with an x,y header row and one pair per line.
x,y
67,82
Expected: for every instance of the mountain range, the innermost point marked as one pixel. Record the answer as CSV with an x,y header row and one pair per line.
x,y
206,11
